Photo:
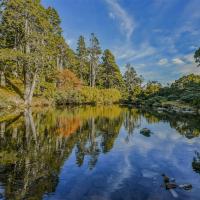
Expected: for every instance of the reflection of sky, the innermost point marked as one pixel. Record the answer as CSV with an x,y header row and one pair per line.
x,y
1,190
132,170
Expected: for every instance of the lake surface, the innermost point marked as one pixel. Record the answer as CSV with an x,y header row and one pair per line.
x,y
98,153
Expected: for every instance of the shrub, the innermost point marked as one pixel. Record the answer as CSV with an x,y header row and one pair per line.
x,y
88,95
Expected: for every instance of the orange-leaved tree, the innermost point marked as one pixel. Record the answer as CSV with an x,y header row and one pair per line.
x,y
67,80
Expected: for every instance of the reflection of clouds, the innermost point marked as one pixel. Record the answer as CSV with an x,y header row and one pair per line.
x,y
165,151
166,146
124,172
140,159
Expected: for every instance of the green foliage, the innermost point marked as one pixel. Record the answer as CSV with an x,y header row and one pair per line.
x,y
94,53
33,50
184,90
152,88
83,63
109,75
102,96
88,95
132,83
197,57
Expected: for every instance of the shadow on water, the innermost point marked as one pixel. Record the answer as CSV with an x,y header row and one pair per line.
x,y
35,145
196,162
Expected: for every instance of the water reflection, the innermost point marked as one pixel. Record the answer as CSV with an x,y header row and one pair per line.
x,y
186,125
196,162
35,145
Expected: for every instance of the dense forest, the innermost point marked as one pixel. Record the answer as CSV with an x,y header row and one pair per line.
x,y
37,66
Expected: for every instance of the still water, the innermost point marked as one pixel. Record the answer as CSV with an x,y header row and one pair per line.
x,y
98,153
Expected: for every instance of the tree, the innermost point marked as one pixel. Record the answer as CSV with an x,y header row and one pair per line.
x,y
132,81
27,34
54,20
152,88
94,53
82,54
109,73
67,80
197,57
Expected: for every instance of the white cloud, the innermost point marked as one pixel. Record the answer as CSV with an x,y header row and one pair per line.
x,y
128,53
126,22
111,15
189,58
188,69
163,61
177,61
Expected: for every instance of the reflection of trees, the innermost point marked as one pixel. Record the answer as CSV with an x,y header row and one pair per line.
x,y
33,147
132,120
196,162
97,135
187,125
30,159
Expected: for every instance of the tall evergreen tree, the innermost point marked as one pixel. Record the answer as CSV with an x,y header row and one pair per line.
x,y
197,57
82,54
132,80
27,35
54,20
109,73
94,53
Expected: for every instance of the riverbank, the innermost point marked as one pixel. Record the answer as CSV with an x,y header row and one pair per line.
x,y
12,104
172,107
165,106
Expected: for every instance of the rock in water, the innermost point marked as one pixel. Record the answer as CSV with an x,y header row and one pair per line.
x,y
185,186
165,178
171,186
146,132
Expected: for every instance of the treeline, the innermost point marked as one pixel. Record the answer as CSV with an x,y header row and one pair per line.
x,y
182,93
36,61
34,54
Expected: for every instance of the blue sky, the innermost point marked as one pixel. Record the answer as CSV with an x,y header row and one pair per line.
x,y
158,37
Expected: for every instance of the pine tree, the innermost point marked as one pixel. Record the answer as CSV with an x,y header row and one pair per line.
x,y
109,73
27,35
197,57
54,20
94,53
82,54
132,81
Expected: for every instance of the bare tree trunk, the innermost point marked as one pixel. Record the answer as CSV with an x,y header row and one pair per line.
x,y
90,74
2,129
32,124
57,62
93,76
32,88
27,86
3,79
29,124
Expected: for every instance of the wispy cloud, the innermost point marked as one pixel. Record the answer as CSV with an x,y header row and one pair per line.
x,y
177,61
188,69
163,61
126,22
127,53
189,58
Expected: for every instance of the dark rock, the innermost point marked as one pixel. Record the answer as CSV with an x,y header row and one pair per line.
x,y
185,186
165,178
146,132
170,186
